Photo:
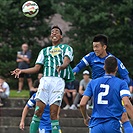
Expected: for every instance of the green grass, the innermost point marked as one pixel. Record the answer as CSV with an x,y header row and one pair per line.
x,y
22,94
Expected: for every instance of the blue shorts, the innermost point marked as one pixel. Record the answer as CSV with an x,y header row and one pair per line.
x,y
112,126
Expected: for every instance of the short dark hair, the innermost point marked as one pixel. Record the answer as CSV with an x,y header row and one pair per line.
x,y
56,26
103,39
110,64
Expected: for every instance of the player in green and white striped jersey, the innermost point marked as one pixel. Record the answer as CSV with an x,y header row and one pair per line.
x,y
56,62
52,57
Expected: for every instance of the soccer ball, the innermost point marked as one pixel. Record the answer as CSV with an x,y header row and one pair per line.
x,y
30,9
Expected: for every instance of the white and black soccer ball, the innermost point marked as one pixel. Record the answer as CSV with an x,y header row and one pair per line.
x,y
30,9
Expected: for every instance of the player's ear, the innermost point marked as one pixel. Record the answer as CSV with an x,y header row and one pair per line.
x,y
116,68
104,46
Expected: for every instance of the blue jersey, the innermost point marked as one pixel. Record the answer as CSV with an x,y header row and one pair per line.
x,y
45,122
97,65
107,92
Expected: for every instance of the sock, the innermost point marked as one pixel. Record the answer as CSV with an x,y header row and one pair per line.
x,y
55,126
34,125
127,127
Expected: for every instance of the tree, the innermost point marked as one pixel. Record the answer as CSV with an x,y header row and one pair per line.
x,y
110,17
17,29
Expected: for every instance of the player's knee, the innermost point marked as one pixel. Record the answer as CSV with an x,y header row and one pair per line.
x,y
53,114
124,117
38,111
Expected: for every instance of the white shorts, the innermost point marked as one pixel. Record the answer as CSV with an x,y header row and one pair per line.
x,y
50,90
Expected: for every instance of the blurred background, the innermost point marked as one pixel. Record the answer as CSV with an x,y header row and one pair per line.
x,y
80,21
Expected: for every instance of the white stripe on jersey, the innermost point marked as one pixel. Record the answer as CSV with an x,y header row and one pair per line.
x,y
31,104
48,62
68,74
69,53
64,73
122,92
85,61
40,58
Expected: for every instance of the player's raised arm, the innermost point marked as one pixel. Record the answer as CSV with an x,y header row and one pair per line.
x,y
78,67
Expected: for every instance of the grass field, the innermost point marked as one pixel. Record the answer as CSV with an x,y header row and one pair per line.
x,y
22,94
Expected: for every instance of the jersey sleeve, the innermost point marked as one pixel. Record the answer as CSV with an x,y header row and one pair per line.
x,y
124,91
69,53
88,90
123,72
40,59
83,63
31,102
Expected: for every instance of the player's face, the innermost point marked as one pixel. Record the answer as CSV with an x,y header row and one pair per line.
x,y
99,49
55,35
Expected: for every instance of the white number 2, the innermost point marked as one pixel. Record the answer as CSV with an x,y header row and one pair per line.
x,y
101,94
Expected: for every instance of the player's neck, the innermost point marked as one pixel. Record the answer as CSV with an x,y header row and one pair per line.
x,y
113,73
56,43
104,54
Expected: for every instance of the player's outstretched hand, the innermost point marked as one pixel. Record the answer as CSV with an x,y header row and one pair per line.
x,y
16,72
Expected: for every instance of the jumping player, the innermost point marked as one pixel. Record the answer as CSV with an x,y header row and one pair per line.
x,y
96,61
55,60
108,92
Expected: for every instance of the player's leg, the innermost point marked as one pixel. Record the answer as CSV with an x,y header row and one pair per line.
x,y
97,129
41,102
37,116
56,94
112,126
126,123
54,118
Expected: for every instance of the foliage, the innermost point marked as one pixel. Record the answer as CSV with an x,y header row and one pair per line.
x,y
110,17
87,18
17,29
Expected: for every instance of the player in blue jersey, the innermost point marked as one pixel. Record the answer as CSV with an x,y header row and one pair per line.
x,y
96,61
45,122
108,92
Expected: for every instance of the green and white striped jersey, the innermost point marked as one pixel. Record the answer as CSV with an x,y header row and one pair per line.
x,y
52,56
